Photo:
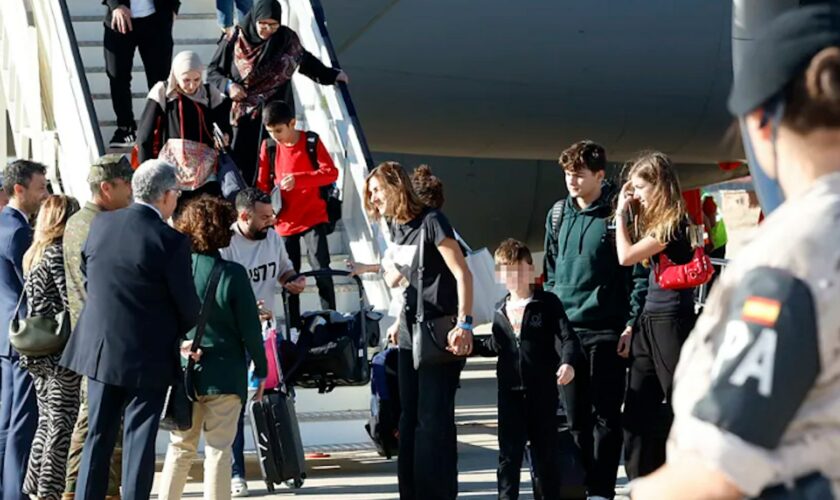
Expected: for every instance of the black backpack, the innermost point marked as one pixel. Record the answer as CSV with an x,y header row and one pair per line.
x,y
330,193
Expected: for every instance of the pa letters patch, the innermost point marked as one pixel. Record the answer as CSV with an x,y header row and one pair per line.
x,y
767,359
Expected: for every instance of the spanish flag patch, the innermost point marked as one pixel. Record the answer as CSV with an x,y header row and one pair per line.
x,y
761,311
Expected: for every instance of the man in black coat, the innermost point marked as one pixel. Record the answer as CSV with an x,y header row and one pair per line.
x,y
131,25
141,303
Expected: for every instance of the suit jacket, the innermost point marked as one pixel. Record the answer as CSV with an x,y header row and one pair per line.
x,y
15,238
141,300
160,6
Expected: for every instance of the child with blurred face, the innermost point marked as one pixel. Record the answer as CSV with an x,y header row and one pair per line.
x,y
536,349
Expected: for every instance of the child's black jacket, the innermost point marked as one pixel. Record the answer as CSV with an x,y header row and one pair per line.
x,y
546,341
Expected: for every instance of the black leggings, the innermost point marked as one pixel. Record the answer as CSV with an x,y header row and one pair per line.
x,y
428,454
647,408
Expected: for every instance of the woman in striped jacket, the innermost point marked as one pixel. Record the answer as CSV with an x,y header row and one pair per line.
x,y
56,388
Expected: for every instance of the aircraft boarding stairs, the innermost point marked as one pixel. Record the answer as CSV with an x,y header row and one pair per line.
x,y
62,122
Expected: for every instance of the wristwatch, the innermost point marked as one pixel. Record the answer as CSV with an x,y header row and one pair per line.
x,y
466,323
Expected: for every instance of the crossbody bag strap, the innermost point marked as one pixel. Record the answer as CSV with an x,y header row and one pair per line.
x,y
19,302
421,311
206,306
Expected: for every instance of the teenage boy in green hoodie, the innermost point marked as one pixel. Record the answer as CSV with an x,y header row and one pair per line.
x,y
602,300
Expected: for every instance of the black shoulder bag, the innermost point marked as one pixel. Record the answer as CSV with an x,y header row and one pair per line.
x,y
177,411
429,337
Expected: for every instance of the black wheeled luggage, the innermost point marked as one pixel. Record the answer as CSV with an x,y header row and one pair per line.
x,y
277,437
331,350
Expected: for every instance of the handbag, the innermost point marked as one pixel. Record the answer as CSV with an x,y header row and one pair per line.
x,y
177,410
194,161
429,337
37,336
272,379
229,175
698,271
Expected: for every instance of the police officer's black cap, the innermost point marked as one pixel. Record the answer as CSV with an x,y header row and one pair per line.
x,y
781,53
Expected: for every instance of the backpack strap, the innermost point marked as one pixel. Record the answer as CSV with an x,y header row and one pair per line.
x,y
271,152
312,148
557,213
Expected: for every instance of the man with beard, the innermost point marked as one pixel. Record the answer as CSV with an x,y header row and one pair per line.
x,y
257,246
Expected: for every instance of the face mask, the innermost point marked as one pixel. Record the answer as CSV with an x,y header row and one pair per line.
x,y
769,191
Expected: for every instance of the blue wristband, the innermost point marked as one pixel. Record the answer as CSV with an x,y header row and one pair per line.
x,y
463,325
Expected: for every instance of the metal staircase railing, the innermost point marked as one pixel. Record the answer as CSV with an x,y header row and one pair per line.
x,y
45,92
329,111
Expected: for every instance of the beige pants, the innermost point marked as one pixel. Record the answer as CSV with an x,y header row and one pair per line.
x,y
217,416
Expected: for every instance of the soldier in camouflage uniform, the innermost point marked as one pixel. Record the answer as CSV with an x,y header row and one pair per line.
x,y
110,184
757,388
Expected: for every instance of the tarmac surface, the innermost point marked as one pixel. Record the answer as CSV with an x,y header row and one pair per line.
x,y
367,476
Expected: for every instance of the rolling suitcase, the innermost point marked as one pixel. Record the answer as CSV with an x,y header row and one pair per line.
x,y
277,436
383,424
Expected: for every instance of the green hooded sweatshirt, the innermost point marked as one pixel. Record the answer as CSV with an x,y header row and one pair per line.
x,y
581,267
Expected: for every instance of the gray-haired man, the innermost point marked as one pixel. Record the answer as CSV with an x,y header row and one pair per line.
x,y
140,301
110,186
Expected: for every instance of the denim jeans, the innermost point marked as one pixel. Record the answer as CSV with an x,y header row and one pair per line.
x,y
224,11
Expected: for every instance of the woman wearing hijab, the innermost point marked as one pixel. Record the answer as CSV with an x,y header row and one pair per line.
x,y
177,126
254,65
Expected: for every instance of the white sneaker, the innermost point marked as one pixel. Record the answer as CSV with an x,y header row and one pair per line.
x,y
238,487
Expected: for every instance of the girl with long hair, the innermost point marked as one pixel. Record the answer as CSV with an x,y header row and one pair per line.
x,y
651,220
428,460
56,388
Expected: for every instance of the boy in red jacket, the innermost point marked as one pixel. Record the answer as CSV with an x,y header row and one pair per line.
x,y
286,162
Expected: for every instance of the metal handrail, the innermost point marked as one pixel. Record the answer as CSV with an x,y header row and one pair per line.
x,y
83,81
52,112
329,110
703,290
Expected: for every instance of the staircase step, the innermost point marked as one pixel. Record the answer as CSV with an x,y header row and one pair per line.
x,y
92,52
95,7
100,86
189,26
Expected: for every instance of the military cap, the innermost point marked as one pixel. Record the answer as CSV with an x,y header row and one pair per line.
x,y
110,167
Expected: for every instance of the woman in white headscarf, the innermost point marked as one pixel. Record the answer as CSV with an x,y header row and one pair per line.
x,y
177,126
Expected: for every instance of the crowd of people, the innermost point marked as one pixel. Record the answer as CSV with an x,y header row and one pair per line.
x,y
740,402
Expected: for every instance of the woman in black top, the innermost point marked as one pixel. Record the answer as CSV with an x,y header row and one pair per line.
x,y
183,107
56,388
660,227
428,460
254,65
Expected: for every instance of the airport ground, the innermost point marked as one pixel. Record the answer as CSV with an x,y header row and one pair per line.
x,y
367,476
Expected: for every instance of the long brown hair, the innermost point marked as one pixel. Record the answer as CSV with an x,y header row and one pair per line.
x,y
665,209
403,203
49,227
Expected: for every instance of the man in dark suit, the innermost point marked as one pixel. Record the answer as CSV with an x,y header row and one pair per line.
x,y
26,184
131,25
141,302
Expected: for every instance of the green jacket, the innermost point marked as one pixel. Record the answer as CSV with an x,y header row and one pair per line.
x,y
75,234
582,269
233,327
